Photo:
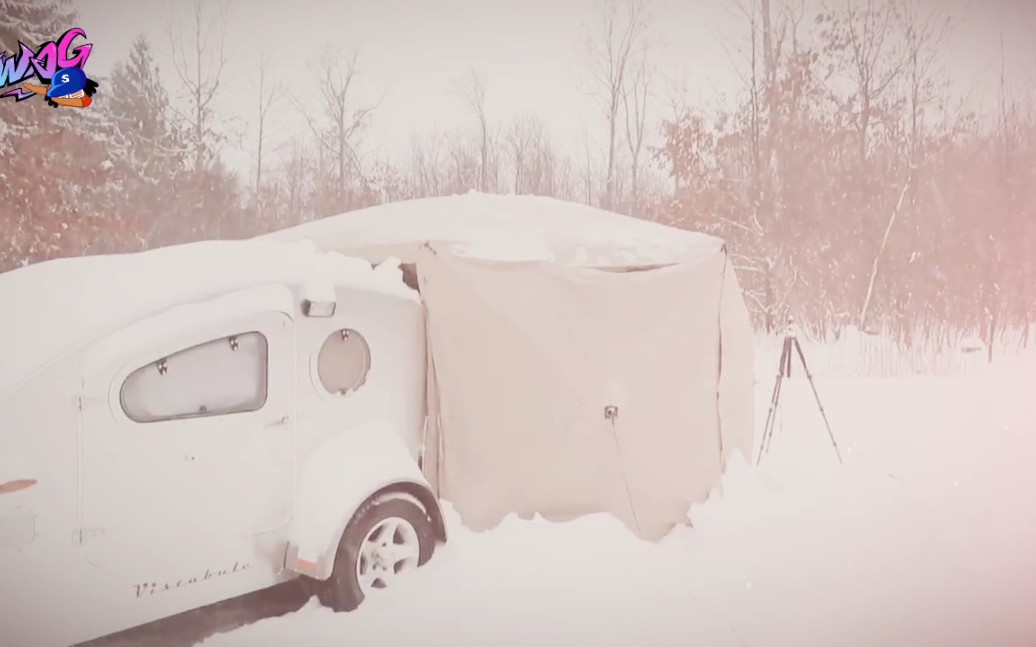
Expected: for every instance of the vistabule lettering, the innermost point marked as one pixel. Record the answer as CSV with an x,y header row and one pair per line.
x,y
151,588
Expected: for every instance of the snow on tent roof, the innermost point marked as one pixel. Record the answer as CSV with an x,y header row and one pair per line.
x,y
49,308
509,227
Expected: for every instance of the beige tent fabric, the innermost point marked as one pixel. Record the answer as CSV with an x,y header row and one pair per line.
x,y
527,356
431,446
737,375
523,356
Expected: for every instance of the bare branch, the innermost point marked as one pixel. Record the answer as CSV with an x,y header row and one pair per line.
x,y
619,30
200,75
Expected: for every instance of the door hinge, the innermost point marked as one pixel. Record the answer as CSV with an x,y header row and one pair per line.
x,y
83,535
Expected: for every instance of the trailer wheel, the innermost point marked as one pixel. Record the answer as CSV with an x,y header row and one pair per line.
x,y
385,538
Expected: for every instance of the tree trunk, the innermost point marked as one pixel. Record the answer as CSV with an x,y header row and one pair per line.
x,y
609,188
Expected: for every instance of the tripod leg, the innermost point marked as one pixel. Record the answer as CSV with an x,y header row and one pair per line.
x,y
772,421
764,444
786,356
786,370
823,414
769,414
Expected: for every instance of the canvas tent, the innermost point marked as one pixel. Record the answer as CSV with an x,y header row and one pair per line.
x,y
579,361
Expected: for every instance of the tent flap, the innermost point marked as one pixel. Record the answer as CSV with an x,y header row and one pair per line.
x,y
564,391
737,376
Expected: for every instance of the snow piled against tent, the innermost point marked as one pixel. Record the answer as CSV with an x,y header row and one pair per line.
x,y
924,538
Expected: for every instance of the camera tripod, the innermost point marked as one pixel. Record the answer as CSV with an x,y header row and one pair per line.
x,y
784,370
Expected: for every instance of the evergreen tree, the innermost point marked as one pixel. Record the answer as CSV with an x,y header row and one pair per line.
x,y
146,148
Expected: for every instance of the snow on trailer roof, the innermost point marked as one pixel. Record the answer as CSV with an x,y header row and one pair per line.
x,y
51,307
509,227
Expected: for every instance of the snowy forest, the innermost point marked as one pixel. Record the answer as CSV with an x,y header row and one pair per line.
x,y
851,184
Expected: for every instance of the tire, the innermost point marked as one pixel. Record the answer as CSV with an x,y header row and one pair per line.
x,y
385,537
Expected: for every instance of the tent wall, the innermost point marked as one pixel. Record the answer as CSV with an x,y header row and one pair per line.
x,y
526,358
431,445
737,372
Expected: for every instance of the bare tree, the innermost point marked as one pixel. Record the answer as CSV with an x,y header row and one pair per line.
x,y
619,27
881,249
926,31
465,162
676,100
268,94
343,122
519,139
198,59
1005,171
866,34
428,164
296,172
476,98
766,115
635,97
587,170
771,65
536,164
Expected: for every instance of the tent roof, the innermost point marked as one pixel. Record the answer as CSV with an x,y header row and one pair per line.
x,y
507,227
52,307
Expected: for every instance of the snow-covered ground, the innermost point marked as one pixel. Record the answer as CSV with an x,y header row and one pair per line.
x,y
923,538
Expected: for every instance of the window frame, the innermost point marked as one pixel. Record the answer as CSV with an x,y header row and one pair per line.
x,y
315,364
206,415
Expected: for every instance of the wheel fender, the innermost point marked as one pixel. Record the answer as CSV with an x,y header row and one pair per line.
x,y
341,475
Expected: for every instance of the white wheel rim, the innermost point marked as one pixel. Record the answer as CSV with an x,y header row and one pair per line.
x,y
391,547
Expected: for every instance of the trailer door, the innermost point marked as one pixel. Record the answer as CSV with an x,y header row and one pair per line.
x,y
188,442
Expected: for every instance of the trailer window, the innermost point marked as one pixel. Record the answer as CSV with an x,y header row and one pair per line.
x,y
220,377
344,361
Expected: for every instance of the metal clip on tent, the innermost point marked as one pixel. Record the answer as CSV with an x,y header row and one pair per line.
x,y
784,370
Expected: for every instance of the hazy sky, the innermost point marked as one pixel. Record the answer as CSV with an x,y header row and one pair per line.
x,y
532,53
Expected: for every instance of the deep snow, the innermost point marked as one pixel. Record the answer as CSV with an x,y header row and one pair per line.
x,y
508,227
923,538
101,292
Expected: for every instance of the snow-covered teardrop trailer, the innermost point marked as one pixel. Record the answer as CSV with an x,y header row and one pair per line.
x,y
190,424
195,423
